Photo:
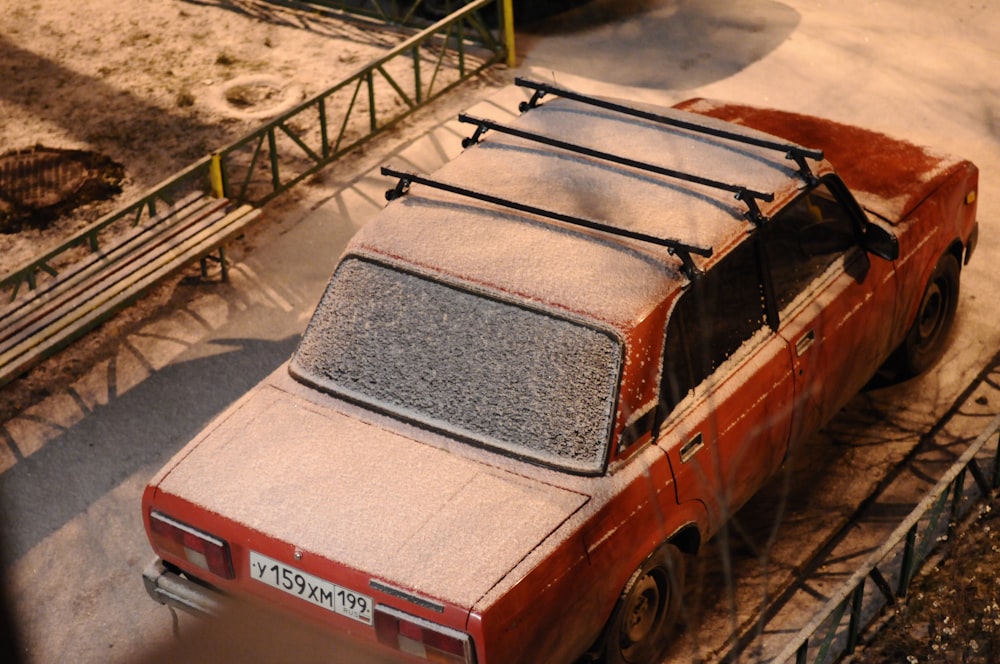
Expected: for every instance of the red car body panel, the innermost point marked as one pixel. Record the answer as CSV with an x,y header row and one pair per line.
x,y
922,193
530,560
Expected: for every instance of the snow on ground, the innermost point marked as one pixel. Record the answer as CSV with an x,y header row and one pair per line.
x,y
920,70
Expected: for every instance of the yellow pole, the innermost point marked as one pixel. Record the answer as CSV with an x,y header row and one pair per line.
x,y
215,176
508,31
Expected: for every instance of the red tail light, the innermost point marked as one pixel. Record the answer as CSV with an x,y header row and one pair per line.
x,y
199,548
422,638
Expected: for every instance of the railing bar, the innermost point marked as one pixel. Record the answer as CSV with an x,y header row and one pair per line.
x,y
882,584
298,141
395,86
372,120
827,641
460,47
795,644
323,129
934,519
416,74
249,176
854,628
224,174
438,63
996,464
272,148
909,559
979,477
956,500
14,290
347,116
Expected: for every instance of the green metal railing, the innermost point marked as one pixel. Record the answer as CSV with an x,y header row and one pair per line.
x,y
308,137
825,638
383,92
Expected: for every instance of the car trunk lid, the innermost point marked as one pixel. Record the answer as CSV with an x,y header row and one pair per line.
x,y
372,499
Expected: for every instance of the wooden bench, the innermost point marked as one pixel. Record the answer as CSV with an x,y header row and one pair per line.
x,y
89,291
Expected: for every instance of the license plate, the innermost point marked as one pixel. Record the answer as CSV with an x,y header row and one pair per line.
x,y
310,588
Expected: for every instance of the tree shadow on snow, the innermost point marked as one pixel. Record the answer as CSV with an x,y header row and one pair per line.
x,y
681,45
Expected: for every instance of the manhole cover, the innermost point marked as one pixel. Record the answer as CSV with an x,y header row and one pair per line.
x,y
39,184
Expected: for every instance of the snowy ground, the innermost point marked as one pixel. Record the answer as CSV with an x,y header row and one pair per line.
x,y
158,84
921,70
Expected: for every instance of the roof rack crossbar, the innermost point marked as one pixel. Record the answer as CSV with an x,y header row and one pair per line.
x,y
748,196
681,250
797,153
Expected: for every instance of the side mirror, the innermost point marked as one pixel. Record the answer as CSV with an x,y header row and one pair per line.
x,y
880,242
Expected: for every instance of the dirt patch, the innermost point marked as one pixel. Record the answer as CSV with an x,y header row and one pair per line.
x,y
39,185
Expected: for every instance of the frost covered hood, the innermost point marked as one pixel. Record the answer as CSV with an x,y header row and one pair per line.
x,y
406,512
887,175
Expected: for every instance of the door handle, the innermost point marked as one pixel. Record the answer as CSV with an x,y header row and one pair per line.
x,y
804,342
690,448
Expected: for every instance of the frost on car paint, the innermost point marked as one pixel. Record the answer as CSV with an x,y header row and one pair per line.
x,y
545,374
498,374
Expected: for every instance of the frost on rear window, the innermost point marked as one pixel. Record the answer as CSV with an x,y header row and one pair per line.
x,y
491,372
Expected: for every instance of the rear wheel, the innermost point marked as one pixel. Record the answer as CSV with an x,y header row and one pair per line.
x,y
644,618
926,340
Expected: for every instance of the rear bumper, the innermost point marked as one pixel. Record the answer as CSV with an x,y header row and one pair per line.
x,y
170,588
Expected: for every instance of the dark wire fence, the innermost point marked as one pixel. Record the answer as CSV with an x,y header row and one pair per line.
x,y
885,576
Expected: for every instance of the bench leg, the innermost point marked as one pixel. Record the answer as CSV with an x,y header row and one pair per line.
x,y
223,264
221,260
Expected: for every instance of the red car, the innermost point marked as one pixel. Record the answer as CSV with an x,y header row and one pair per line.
x,y
545,374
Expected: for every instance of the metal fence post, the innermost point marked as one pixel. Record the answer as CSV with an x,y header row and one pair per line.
x,y
508,32
215,176
996,464
909,561
854,629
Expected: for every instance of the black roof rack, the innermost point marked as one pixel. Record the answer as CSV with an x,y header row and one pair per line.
x,y
675,247
747,196
797,153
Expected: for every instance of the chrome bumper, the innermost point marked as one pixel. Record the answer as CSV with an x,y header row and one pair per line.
x,y
172,589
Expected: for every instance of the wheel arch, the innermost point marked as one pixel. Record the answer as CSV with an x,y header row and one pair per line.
x,y
957,249
687,538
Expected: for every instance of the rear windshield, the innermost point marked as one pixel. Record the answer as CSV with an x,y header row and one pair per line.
x,y
488,371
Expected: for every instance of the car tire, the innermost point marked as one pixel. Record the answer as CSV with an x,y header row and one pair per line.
x,y
927,338
644,618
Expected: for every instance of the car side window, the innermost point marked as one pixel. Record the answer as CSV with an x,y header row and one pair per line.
x,y
720,311
804,239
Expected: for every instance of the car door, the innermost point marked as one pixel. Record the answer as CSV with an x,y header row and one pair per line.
x,y
834,302
726,387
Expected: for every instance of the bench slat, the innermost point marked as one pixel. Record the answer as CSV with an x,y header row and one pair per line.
x,y
93,295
